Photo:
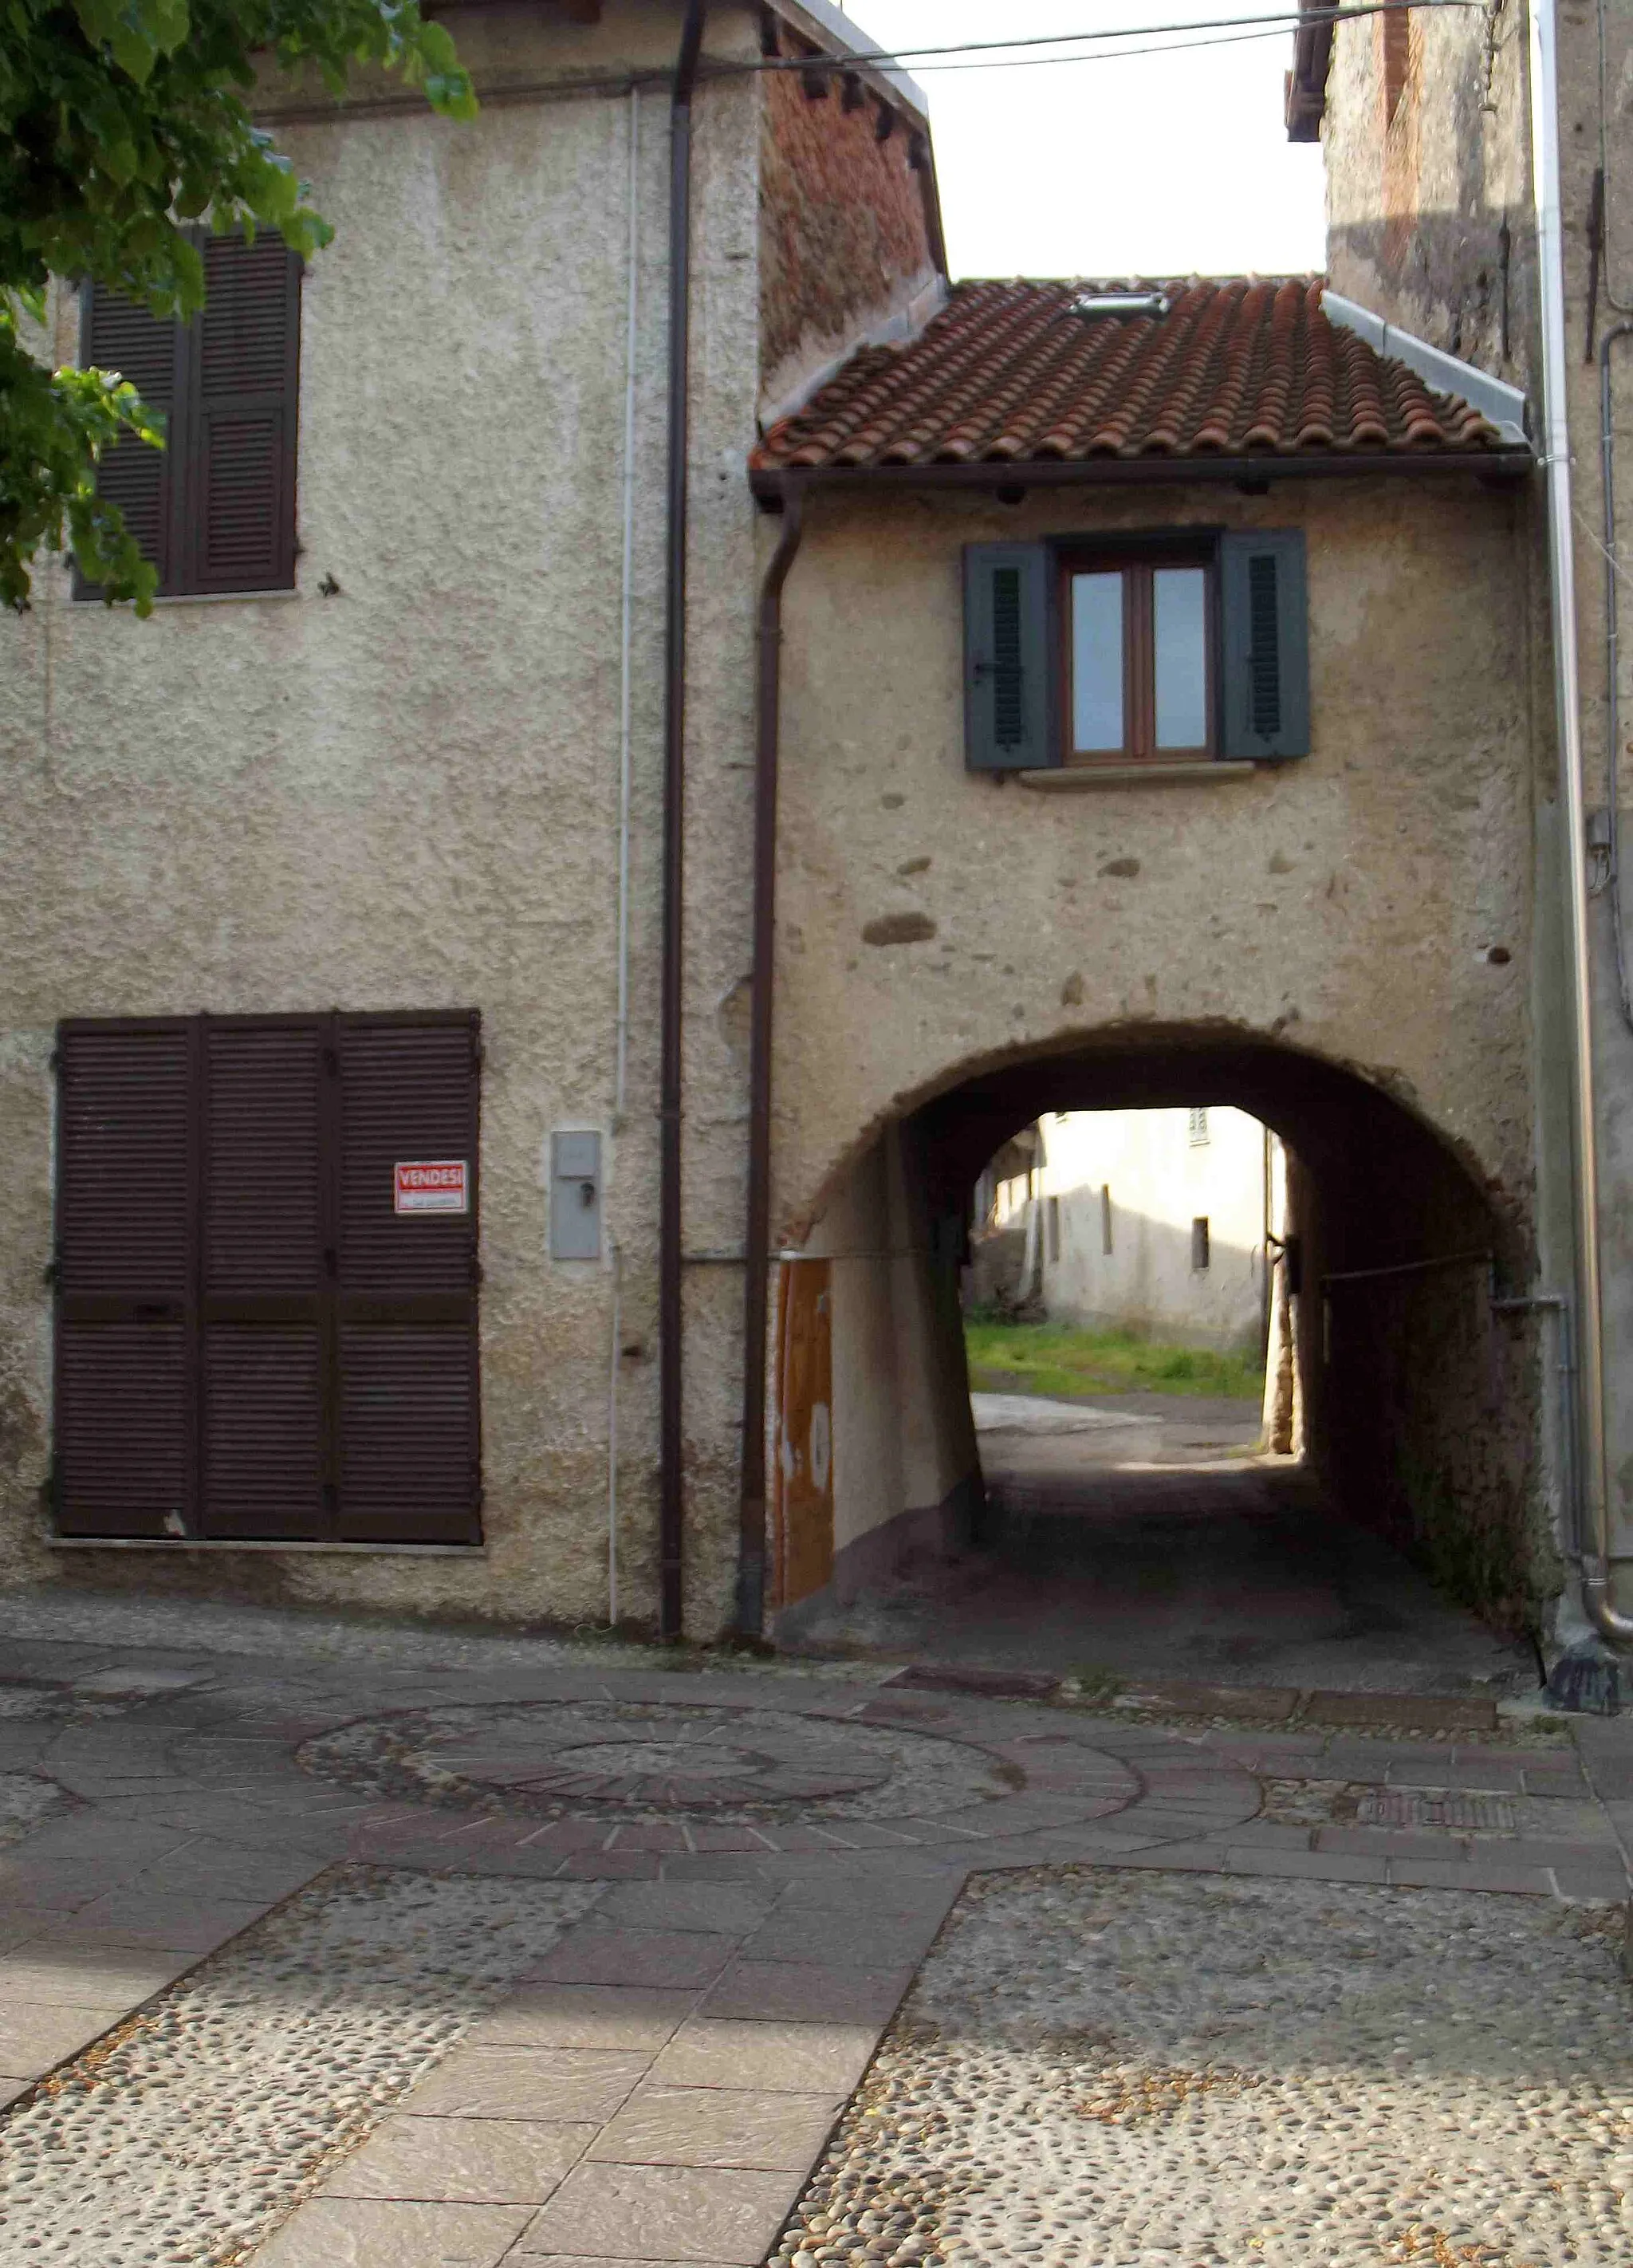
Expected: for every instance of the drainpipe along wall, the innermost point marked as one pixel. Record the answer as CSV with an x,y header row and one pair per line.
x,y
751,1564
1594,1517
671,1320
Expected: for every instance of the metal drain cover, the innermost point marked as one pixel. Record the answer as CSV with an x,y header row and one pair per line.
x,y
1490,1814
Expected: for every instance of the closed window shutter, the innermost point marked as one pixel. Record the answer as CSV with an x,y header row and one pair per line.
x,y
238,510
265,1324
1266,673
116,334
409,1435
252,1343
1006,643
124,1409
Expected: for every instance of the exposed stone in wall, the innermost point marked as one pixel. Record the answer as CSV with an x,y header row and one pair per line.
x,y
843,232
1428,198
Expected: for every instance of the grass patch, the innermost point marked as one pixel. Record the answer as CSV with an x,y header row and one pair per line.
x,y
1069,1365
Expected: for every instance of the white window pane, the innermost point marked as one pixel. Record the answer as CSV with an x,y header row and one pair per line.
x,y
1096,662
1180,608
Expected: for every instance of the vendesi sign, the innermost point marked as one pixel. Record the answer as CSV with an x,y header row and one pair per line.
x,y
432,1185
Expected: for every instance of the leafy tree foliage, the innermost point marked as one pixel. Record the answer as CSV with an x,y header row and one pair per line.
x,y
121,122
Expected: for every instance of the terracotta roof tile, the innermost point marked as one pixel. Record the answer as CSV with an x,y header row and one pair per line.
x,y
1006,373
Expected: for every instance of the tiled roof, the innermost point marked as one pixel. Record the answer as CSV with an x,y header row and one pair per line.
x,y
1006,373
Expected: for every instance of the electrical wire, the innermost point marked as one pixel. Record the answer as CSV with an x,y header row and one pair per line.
x,y
880,58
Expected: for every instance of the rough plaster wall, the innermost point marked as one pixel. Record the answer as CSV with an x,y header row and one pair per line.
x,y
1350,902
1475,166
938,1433
855,1232
843,233
406,795
903,1438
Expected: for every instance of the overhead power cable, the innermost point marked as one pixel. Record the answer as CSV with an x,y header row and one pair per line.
x,y
1298,18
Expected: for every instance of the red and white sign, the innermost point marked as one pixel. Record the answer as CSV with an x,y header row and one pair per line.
x,y
432,1185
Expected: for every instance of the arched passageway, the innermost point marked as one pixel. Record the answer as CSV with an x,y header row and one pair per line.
x,y
1419,1399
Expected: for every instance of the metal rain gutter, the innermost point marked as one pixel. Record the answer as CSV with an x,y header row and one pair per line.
x,y
1592,1538
1500,404
671,1318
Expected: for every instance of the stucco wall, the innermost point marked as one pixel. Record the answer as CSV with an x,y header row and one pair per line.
x,y
1161,1182
905,1462
406,793
1370,902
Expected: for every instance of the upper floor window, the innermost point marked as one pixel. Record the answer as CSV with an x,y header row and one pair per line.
x,y
1157,649
1139,659
214,510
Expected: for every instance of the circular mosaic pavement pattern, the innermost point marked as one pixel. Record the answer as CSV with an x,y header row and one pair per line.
x,y
547,1758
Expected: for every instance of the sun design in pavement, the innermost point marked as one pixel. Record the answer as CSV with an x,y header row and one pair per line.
x,y
548,1758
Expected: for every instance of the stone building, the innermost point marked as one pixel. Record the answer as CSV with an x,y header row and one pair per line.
x,y
1479,194
473,1054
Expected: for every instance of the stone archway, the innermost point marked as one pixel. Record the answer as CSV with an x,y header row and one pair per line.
x,y
1421,1401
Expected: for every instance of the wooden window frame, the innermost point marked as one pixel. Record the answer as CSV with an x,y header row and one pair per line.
x,y
1136,568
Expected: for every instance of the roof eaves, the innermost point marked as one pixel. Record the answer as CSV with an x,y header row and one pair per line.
x,y
828,26
1501,405
770,482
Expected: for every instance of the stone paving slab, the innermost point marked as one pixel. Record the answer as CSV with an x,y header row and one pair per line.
x,y
553,2084
372,2233
464,2160
680,2213
719,2126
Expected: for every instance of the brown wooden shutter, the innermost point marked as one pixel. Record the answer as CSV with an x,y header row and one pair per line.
x,y
252,1344
116,334
409,1431
126,1155
266,1351
239,509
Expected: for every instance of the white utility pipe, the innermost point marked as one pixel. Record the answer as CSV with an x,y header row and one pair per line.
x,y
625,619
1593,1537
627,605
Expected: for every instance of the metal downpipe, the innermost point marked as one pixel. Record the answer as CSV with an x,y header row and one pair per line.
x,y
670,1320
1594,1526
751,1563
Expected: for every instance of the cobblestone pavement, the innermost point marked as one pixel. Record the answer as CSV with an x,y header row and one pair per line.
x,y
764,1861
1223,2072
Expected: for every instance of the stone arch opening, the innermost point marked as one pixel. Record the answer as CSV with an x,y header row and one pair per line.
x,y
1421,1402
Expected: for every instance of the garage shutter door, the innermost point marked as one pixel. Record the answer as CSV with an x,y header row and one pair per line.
x,y
252,1343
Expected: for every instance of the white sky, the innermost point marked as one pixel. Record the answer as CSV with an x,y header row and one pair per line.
x,y
1160,165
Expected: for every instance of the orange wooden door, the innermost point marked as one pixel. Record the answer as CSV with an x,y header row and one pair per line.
x,y
803,1501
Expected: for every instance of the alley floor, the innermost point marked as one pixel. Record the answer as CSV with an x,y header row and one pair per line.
x,y
1143,1536
404,1948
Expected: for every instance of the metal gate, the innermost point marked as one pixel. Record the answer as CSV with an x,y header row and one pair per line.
x,y
265,1278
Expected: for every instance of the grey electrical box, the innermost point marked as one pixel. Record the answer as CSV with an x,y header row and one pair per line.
x,y
574,1196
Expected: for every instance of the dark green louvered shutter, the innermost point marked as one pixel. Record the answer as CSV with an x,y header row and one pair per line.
x,y
117,334
1265,674
1006,646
